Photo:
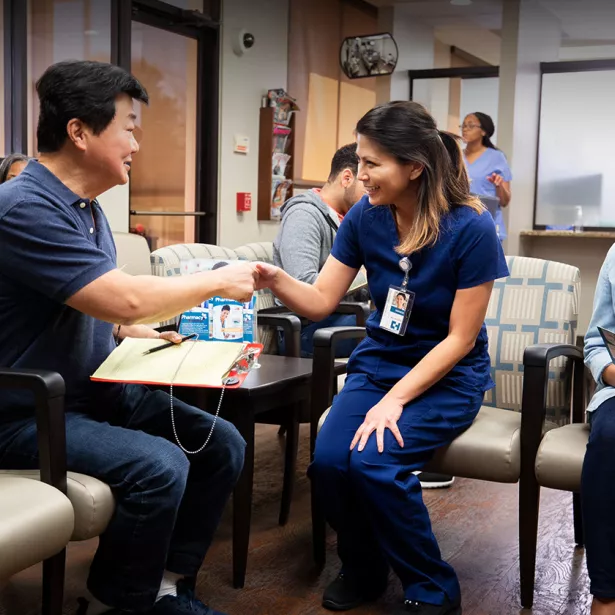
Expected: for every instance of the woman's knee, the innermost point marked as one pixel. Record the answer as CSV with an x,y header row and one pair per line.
x,y
329,457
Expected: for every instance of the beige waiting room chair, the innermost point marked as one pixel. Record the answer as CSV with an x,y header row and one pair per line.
x,y
531,322
133,253
36,517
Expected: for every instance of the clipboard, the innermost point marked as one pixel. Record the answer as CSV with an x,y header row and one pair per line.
x,y
198,363
609,341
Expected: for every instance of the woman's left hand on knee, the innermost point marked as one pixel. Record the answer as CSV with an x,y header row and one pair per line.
x,y
384,415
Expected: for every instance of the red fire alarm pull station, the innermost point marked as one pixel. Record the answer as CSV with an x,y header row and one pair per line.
x,y
244,201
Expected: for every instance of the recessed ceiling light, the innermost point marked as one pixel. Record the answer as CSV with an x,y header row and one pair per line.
x,y
461,2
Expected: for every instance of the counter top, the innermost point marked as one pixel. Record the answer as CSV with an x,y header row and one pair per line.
x,y
581,235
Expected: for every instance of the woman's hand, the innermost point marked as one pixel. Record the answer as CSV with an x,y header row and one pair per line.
x,y
267,275
496,179
384,415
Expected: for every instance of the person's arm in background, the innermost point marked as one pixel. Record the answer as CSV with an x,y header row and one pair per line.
x,y
501,180
502,189
300,244
597,357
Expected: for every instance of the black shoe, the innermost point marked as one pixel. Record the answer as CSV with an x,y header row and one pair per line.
x,y
185,603
430,480
347,593
421,608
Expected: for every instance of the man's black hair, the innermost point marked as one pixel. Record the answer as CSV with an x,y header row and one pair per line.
x,y
226,308
80,90
345,158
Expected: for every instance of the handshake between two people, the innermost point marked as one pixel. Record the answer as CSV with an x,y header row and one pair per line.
x,y
239,281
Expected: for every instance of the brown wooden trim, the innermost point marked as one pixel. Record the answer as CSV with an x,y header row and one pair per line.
x,y
307,184
364,6
265,152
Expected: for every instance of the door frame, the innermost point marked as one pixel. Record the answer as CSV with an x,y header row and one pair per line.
x,y
206,31
465,72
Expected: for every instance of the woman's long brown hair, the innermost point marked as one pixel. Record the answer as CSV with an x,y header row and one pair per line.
x,y
407,131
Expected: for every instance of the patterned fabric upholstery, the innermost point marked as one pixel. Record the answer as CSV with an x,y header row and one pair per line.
x,y
166,261
256,252
537,303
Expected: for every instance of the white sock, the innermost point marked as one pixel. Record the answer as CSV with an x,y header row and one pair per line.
x,y
96,607
168,587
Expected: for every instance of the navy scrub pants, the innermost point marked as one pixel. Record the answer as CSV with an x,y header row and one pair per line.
x,y
374,501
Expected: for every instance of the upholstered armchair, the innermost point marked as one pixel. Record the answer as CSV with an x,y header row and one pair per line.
x,y
531,322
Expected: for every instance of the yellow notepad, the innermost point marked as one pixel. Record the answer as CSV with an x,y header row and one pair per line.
x,y
192,363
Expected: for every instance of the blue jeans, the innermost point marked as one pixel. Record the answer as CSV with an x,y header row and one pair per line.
x,y
168,504
598,501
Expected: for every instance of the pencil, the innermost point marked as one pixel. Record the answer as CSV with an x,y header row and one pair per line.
x,y
169,344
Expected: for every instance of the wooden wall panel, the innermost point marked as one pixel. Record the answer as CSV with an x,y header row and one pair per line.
x,y
330,103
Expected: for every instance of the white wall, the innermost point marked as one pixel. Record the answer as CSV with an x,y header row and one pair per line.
x,y
244,80
587,52
416,45
530,35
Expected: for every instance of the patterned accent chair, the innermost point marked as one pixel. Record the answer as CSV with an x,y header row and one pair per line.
x,y
531,322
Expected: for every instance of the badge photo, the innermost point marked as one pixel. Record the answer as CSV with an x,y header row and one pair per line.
x,y
397,310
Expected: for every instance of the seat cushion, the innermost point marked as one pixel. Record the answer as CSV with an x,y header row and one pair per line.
x,y
560,457
36,522
92,501
489,450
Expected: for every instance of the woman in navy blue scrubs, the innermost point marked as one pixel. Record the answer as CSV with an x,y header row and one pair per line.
x,y
418,231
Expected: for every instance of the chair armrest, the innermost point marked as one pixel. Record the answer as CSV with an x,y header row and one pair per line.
x,y
536,360
539,355
48,389
361,310
291,328
323,373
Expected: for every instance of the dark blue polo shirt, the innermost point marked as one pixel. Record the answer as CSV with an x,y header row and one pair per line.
x,y
52,244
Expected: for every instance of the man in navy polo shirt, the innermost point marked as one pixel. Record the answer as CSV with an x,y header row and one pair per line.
x,y
62,298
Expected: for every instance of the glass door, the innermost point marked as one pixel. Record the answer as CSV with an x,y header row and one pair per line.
x,y
173,183
163,174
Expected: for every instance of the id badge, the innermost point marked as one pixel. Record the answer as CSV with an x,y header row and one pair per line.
x,y
397,310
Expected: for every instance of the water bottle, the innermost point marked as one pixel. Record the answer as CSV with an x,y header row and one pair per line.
x,y
578,220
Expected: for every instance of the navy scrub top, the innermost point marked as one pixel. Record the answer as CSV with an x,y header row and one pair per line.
x,y
468,253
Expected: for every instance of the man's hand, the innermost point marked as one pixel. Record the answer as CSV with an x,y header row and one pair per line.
x,y
143,331
238,281
384,415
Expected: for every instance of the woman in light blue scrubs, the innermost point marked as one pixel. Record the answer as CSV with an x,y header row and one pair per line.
x,y
487,166
417,380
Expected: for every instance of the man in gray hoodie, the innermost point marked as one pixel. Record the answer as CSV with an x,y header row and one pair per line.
x,y
309,224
